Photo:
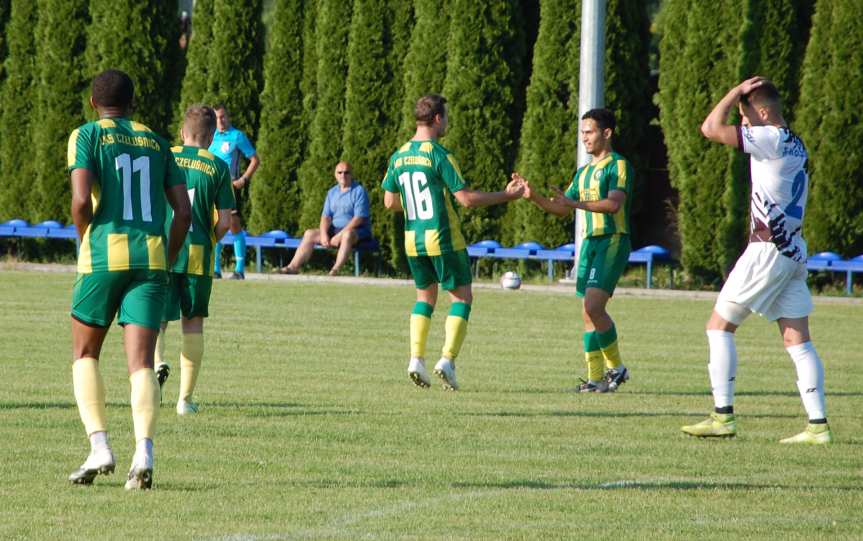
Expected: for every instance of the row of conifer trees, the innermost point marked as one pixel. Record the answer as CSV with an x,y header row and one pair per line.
x,y
316,81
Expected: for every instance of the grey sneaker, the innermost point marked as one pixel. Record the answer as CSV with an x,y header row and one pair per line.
x,y
101,462
445,370
417,373
616,378
593,387
238,276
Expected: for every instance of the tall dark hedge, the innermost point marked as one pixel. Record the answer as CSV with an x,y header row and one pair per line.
x,y
834,218
700,65
309,83
194,85
61,79
235,62
425,62
114,40
4,18
547,152
379,38
275,193
483,69
325,147
17,167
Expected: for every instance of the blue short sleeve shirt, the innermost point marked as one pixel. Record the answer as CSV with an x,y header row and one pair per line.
x,y
342,207
228,145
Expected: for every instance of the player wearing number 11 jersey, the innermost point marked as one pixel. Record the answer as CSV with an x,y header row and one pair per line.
x,y
421,180
122,173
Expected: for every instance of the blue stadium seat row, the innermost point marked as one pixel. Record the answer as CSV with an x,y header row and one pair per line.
x,y
273,239
820,262
536,251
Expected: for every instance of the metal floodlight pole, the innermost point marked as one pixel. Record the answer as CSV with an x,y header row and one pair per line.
x,y
591,81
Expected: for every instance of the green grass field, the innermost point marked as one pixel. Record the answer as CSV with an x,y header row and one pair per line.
x,y
310,428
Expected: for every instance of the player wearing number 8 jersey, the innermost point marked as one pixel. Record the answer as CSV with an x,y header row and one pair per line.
x,y
122,173
421,180
770,276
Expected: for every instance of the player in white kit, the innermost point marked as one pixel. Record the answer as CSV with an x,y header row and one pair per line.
x,y
770,277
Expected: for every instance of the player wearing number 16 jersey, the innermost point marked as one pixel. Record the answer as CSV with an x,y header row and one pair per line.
x,y
770,276
421,180
122,173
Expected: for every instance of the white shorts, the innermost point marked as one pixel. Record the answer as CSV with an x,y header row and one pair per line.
x,y
767,283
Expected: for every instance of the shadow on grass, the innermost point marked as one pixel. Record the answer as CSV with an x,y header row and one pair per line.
x,y
530,484
40,405
790,394
529,414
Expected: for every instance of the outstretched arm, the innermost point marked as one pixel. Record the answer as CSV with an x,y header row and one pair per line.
x,y
715,127
609,205
554,206
474,198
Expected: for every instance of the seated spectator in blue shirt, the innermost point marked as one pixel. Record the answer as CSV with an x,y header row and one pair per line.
x,y
344,222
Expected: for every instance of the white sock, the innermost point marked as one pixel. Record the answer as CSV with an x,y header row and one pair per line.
x,y
722,367
810,379
144,452
99,441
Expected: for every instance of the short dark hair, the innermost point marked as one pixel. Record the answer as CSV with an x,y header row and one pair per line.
x,y
220,106
427,107
199,121
603,118
113,88
766,94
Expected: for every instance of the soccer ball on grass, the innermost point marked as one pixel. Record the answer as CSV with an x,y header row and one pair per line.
x,y
510,280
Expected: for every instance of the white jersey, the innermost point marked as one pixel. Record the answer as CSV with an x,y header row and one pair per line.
x,y
780,186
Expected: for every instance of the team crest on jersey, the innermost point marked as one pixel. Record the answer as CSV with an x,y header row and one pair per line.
x,y
597,174
226,147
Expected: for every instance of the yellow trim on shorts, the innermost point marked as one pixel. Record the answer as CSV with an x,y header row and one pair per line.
x,y
410,244
196,259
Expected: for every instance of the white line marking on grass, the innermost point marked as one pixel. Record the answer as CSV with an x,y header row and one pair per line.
x,y
340,524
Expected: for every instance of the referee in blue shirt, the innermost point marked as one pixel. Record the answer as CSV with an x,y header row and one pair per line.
x,y
228,144
344,222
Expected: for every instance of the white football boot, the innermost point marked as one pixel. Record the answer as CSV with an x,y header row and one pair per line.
x,y
98,462
445,370
141,473
186,407
417,372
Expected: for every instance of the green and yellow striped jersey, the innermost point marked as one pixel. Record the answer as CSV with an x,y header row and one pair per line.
x,y
132,167
426,175
209,185
593,182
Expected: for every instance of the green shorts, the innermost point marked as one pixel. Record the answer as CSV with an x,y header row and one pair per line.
x,y
189,295
139,295
601,261
450,270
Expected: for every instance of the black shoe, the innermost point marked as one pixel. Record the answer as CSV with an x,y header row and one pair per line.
x,y
162,373
217,275
237,276
616,378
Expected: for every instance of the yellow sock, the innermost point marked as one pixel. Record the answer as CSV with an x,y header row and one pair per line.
x,y
190,363
456,329
145,402
595,365
608,344
420,325
90,394
159,357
